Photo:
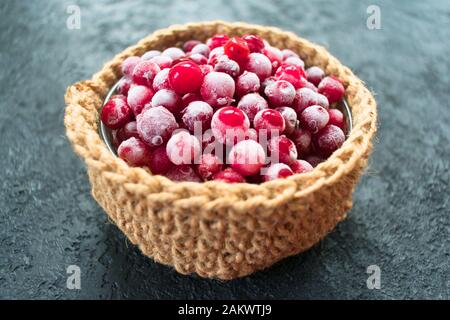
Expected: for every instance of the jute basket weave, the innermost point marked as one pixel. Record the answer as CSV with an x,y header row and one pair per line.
x,y
215,229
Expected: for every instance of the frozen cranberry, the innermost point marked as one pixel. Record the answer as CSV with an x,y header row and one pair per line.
x,y
116,113
229,124
336,118
331,88
188,98
163,62
197,116
291,74
128,66
229,176
270,120
185,77
288,53
217,41
188,45
218,89
315,75
275,56
206,68
247,157
174,53
282,149
150,54
252,134
237,49
183,173
260,65
328,140
290,119
322,101
246,83
295,61
159,161
183,148
198,59
277,171
209,165
161,80
228,66
280,93
314,160
254,43
301,166
134,152
138,97
266,82
215,54
145,72
155,125
314,118
304,98
128,131
251,104
202,49
302,139
167,99
309,85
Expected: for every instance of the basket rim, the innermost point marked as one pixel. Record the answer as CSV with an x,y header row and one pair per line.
x,y
84,99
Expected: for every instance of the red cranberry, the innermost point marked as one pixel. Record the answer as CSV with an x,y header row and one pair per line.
x,y
138,97
163,62
301,166
246,83
260,65
155,125
209,165
314,160
183,148
124,86
215,54
228,66
167,99
188,98
217,41
206,68
295,61
277,171
291,74
328,140
282,149
266,82
174,53
251,104
198,59
247,157
288,53
185,77
280,93
202,49
150,54
145,72
304,98
270,120
197,115
183,173
237,49
116,113
275,56
290,119
331,88
229,176
229,124
161,80
128,66
128,131
188,45
159,161
134,152
302,139
314,118
254,43
315,75
336,118
218,89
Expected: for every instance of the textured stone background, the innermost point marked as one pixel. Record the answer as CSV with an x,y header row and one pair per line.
x,y
400,219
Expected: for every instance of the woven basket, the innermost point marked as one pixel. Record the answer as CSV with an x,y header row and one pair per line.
x,y
216,229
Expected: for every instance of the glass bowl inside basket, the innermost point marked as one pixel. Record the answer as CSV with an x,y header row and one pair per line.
x,y
106,134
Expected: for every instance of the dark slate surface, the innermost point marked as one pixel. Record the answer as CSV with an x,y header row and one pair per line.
x,y
400,219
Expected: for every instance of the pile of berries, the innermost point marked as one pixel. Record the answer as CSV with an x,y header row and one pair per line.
x,y
231,109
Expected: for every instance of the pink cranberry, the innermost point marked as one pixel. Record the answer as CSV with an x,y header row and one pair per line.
x,y
295,61
209,165
302,139
183,148
336,118
218,89
229,124
155,125
301,166
280,93
282,149
198,59
150,54
128,131
185,77
145,72
128,66
134,152
246,83
251,104
277,171
314,160
183,173
206,68
159,161
202,49
188,98
229,176
290,119
314,118
260,65
254,43
174,53
215,54
163,62
167,99
291,74
270,120
228,66
124,86
116,113
237,49
304,98
331,88
328,140
217,41
247,157
138,97
275,56
315,75
288,53
161,80
188,45
197,115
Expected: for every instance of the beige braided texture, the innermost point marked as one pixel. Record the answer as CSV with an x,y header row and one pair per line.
x,y
215,229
